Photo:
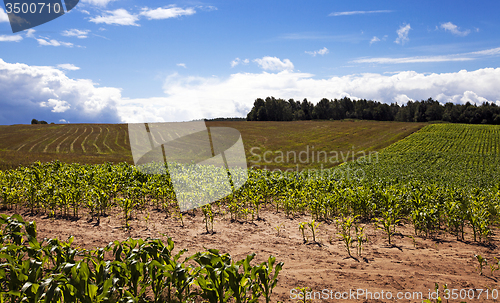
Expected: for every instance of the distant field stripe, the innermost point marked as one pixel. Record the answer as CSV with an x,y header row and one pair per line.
x,y
125,137
47,146
41,140
117,139
83,143
104,142
162,139
154,139
95,141
71,149
59,145
21,146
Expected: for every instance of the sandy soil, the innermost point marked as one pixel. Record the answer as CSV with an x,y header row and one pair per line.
x,y
402,267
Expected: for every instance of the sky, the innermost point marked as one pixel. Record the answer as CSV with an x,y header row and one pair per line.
x,y
120,61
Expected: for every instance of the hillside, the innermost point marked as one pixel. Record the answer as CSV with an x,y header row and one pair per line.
x,y
99,143
449,154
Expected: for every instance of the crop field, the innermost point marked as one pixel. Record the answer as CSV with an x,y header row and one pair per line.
x,y
426,213
100,143
449,154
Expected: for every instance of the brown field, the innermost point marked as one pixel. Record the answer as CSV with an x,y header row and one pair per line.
x,y
403,266
99,143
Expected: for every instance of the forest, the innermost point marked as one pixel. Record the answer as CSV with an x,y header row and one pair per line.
x,y
272,109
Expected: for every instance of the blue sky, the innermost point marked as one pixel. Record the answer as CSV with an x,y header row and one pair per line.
x,y
154,61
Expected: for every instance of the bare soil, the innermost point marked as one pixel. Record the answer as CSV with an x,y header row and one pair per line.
x,y
325,265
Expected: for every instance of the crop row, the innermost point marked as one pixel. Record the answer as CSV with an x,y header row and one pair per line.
x,y
130,271
430,205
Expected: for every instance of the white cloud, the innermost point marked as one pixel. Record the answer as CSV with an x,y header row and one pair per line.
x,y
182,65
322,52
63,121
3,16
274,64
117,17
335,14
426,59
170,11
30,33
239,61
101,3
448,26
208,97
374,39
68,66
417,59
403,34
82,34
28,91
13,38
52,42
57,106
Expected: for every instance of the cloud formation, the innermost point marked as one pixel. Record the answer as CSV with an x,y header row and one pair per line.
x,y
427,59
322,52
117,17
455,30
374,39
46,92
123,17
239,61
3,16
403,32
52,42
182,65
101,3
166,12
81,34
68,66
191,97
10,38
274,64
349,13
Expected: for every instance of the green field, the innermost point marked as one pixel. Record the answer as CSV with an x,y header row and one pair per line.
x,y
441,179
449,154
100,143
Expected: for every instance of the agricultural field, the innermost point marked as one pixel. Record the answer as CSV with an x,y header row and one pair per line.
x,y
426,213
100,143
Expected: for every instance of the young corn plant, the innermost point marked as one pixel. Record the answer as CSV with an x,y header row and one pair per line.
x,y
208,218
278,228
346,224
482,262
302,228
388,222
360,238
314,227
127,206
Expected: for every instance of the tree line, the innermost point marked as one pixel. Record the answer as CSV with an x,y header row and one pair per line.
x,y
272,109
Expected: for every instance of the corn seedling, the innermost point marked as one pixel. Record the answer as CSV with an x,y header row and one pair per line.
x,y
360,238
304,292
388,223
346,225
208,218
482,262
414,241
495,266
278,228
302,227
181,217
314,227
146,218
